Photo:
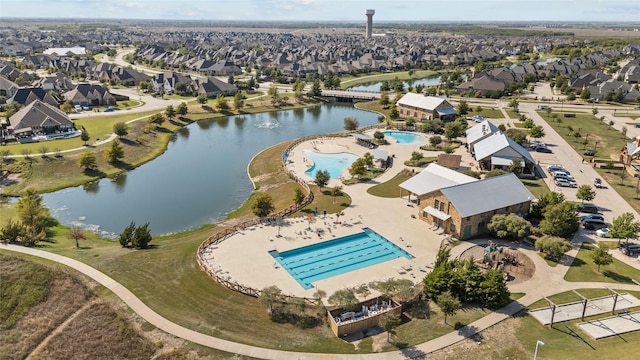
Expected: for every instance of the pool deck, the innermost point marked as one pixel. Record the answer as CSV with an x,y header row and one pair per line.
x,y
244,257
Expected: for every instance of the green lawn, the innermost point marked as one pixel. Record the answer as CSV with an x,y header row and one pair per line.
x,y
583,269
490,113
633,116
390,189
349,81
536,186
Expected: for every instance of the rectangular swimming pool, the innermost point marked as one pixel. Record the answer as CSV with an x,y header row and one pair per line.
x,y
335,257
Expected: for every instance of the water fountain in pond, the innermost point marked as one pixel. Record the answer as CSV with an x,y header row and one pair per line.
x,y
269,124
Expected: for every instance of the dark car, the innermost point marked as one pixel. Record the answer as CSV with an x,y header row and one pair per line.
x,y
594,224
589,153
588,208
543,149
630,249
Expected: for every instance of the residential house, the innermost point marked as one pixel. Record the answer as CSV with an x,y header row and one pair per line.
x,y
483,84
420,107
166,82
211,87
7,87
38,118
68,51
498,152
89,95
26,96
464,210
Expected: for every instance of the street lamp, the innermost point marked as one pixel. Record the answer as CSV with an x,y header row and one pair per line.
x,y
535,354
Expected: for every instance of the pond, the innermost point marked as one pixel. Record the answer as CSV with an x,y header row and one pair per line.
x,y
199,179
375,86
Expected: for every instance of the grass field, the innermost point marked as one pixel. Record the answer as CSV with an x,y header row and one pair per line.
x,y
390,189
349,81
536,186
584,269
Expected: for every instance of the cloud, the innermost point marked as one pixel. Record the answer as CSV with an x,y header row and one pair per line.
x,y
132,4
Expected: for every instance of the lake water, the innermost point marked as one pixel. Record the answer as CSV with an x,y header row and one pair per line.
x,y
199,179
375,87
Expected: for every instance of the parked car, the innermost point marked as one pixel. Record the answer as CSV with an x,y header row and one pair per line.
x,y
562,175
596,217
544,107
594,224
598,183
478,118
556,167
630,249
109,109
543,149
604,232
535,144
588,208
86,108
589,153
566,183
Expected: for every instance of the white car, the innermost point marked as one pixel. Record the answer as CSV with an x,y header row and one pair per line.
x,y
604,232
565,183
555,167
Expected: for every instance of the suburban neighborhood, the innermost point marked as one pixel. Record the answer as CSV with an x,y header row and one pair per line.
x,y
311,190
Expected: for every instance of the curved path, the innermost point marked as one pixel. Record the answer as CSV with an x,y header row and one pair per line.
x,y
545,282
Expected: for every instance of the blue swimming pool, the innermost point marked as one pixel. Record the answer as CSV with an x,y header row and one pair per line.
x,y
335,257
334,163
404,137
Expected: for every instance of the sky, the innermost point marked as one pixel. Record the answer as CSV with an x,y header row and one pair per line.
x,y
330,10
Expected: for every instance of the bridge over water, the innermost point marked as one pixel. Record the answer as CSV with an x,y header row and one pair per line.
x,y
350,96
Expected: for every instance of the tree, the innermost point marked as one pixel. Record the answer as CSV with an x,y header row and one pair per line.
x,y
585,193
322,178
358,168
32,216
336,191
448,303
181,88
345,299
560,220
509,226
68,107
202,99
316,90
114,153
270,295
88,161
351,123
545,200
84,136
601,256
272,91
221,103
141,237
624,227
453,130
516,167
238,101
435,140
263,205
126,236
156,119
298,196
536,132
367,158
384,99
389,321
77,234
182,109
463,107
170,111
378,135
338,214
393,112
514,103
553,246
231,80
11,231
494,293
120,129
585,94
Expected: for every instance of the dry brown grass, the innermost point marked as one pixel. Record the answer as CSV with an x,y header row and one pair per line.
x,y
64,296
99,332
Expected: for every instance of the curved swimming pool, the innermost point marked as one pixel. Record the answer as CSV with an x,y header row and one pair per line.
x,y
404,137
334,163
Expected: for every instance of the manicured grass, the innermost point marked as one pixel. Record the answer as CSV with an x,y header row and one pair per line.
x,y
516,296
633,116
536,186
488,113
548,260
349,81
323,200
512,114
390,189
583,269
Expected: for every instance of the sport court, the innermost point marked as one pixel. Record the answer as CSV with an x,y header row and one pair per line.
x,y
572,311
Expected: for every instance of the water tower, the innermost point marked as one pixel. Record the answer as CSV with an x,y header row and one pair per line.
x,y
369,13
